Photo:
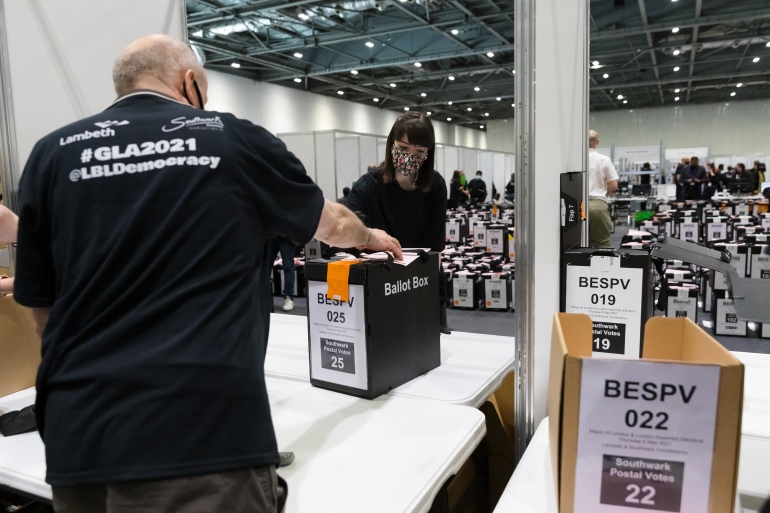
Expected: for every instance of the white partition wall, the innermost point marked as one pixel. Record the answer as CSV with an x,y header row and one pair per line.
x,y
486,165
451,161
367,152
469,162
347,161
637,154
501,173
677,154
303,147
56,64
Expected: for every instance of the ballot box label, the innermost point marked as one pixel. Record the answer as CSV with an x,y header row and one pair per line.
x,y
479,235
337,336
496,293
716,231
645,436
682,307
688,231
463,292
728,322
495,242
612,297
453,231
642,483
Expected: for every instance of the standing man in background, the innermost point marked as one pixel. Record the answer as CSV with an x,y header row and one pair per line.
x,y
678,178
478,188
602,180
693,175
153,271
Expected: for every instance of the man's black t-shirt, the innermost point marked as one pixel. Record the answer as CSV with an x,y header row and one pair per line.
x,y
417,219
144,229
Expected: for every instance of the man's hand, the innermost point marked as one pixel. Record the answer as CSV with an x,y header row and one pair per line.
x,y
381,241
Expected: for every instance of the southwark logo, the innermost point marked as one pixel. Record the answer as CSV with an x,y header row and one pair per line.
x,y
196,123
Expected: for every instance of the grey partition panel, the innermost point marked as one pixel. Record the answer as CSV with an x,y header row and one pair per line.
x,y
347,159
326,177
57,62
303,147
469,161
451,160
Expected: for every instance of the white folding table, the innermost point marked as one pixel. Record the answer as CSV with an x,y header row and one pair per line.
x,y
472,365
390,455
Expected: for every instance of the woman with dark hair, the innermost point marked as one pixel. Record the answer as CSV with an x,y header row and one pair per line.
x,y
458,195
405,196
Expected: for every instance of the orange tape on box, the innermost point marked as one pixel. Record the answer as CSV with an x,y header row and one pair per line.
x,y
337,274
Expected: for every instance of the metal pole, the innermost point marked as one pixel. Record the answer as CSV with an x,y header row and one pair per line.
x,y
524,38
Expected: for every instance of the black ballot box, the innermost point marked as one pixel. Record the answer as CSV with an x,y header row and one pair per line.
x,y
682,301
498,293
379,327
614,288
467,290
497,239
457,231
738,259
725,320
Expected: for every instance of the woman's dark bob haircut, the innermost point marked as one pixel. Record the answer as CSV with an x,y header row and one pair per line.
x,y
418,130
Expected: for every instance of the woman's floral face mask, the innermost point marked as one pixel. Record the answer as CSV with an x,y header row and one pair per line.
x,y
405,162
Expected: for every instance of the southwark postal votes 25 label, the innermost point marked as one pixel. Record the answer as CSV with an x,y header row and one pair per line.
x,y
645,437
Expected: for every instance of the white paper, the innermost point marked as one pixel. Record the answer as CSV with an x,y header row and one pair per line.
x,y
337,336
638,449
612,297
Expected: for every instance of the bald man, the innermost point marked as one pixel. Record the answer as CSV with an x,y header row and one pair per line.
x,y
142,251
602,180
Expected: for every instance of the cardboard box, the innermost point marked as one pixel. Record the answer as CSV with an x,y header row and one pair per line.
x,y
19,347
379,326
674,350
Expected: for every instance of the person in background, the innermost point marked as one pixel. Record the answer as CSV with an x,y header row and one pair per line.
x,y
151,393
693,175
510,188
9,225
602,180
343,200
287,249
758,174
463,178
742,181
458,195
371,168
713,182
478,188
678,178
406,196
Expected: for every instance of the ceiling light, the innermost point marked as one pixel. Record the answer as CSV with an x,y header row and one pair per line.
x,y
676,90
676,99
513,105
498,98
406,108
375,99
417,64
451,77
340,92
298,80
676,68
423,94
477,89
469,109
455,32
739,84
264,21
392,84
676,52
449,103
353,72
486,114
297,55
675,30
449,119
303,16
514,72
625,101
481,126
620,97
369,44
490,54
768,44
606,75
428,113
756,59
595,64
235,65
732,94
